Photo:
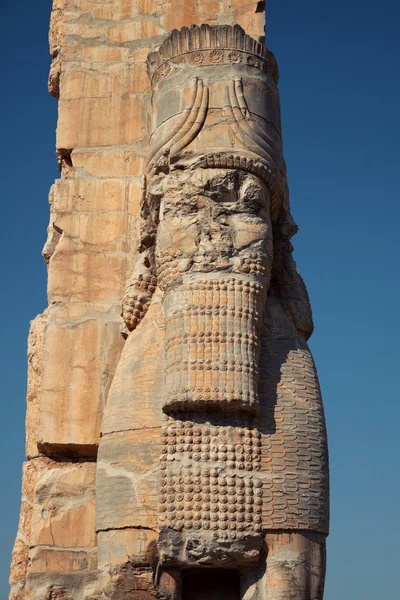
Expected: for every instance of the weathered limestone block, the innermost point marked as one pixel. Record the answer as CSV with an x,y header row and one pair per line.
x,y
108,163
117,544
86,252
102,121
56,542
79,362
84,276
184,13
34,391
296,566
127,478
90,196
64,511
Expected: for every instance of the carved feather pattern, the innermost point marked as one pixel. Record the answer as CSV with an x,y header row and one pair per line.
x,y
188,127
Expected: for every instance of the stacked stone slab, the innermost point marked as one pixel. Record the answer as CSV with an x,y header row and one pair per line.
x,y
187,432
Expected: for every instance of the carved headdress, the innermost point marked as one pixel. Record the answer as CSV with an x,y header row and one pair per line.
x,y
216,105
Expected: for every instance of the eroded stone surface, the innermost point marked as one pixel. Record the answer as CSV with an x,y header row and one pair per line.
x,y
56,535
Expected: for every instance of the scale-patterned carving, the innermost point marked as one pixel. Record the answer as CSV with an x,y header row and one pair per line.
x,y
294,458
212,344
169,268
208,480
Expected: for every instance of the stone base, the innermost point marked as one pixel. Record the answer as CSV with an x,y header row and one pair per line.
x,y
182,549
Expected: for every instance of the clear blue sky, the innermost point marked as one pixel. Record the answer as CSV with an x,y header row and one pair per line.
x,y
340,89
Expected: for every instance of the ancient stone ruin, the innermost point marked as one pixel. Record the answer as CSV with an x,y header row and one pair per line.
x,y
177,450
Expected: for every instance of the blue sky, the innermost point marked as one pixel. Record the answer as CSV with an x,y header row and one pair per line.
x,y
340,91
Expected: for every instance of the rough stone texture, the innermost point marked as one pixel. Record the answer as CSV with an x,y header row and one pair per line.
x,y
56,540
187,431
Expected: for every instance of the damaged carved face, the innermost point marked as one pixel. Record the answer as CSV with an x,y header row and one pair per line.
x,y
214,220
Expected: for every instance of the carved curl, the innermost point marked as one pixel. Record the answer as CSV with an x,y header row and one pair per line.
x,y
286,283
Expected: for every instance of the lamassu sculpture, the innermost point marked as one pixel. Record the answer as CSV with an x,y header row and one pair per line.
x,y
239,481
177,451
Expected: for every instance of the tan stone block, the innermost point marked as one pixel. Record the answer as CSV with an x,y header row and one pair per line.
x,y
80,7
85,276
116,547
252,22
84,122
102,229
176,21
134,30
71,51
179,7
43,560
58,4
126,9
147,7
127,479
80,311
139,56
91,196
104,232
246,16
73,528
29,477
72,84
108,163
20,554
97,86
103,11
135,196
238,5
35,371
73,8
74,392
75,436
210,11
88,122
67,282
57,508
181,13
63,504
84,30
109,54
132,79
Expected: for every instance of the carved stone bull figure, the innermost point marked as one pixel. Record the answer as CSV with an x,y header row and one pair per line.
x,y
213,457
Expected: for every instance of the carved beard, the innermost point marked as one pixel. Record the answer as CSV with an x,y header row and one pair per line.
x,y
214,258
